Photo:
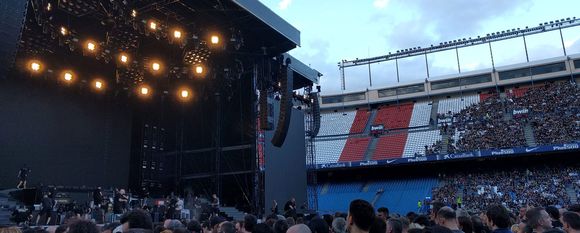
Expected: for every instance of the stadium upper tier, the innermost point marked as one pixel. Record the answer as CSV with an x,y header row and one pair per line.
x,y
542,113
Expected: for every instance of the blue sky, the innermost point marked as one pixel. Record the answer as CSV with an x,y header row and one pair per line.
x,y
332,30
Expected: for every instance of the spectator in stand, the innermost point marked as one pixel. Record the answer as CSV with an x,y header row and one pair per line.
x,y
360,216
571,222
498,219
447,218
538,220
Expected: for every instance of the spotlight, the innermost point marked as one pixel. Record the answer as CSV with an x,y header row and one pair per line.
x,y
199,69
68,76
91,46
133,13
144,90
35,66
155,66
177,34
63,31
215,39
184,93
123,58
99,85
153,25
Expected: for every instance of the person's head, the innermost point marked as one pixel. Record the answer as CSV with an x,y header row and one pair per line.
x,y
122,191
226,227
293,200
446,217
339,225
394,226
105,229
262,228
465,224
172,224
538,219
291,222
435,206
360,216
328,219
383,212
299,228
574,208
214,195
280,226
136,219
318,225
379,225
82,226
193,226
553,212
571,222
249,222
497,217
422,220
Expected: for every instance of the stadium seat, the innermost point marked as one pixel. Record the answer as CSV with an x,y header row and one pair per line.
x,y
360,121
329,150
456,104
355,149
337,123
421,114
395,116
416,142
390,146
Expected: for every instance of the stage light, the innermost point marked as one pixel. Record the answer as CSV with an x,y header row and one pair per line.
x,y
153,25
124,58
144,90
63,31
91,46
48,7
215,39
199,69
177,34
99,85
155,66
34,66
68,76
133,13
184,93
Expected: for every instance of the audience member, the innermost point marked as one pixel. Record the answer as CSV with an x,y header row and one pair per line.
x,y
361,216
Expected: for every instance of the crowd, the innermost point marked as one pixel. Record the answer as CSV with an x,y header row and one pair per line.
x,y
360,218
553,110
536,186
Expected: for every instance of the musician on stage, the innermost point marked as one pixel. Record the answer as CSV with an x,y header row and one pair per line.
x,y
215,205
290,208
22,176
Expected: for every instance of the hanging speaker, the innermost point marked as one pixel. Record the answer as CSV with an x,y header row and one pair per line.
x,y
315,113
286,79
265,123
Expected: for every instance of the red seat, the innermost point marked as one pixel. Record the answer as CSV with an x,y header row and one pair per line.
x,y
390,146
354,149
395,117
360,121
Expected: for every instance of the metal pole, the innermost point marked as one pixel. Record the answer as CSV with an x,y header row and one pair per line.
x,y
427,65
370,79
397,66
457,56
528,60
562,39
493,66
341,68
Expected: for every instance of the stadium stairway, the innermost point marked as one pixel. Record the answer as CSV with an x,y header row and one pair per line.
x,y
529,135
370,121
571,193
435,106
371,149
444,143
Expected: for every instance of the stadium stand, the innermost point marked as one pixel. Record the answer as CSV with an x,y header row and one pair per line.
x,y
329,150
354,150
456,104
421,114
360,121
395,116
337,123
516,92
401,196
417,141
390,146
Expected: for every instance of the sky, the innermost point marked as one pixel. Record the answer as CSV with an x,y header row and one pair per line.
x,y
333,30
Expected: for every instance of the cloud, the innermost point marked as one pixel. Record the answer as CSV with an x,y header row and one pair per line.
x,y
284,4
380,4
